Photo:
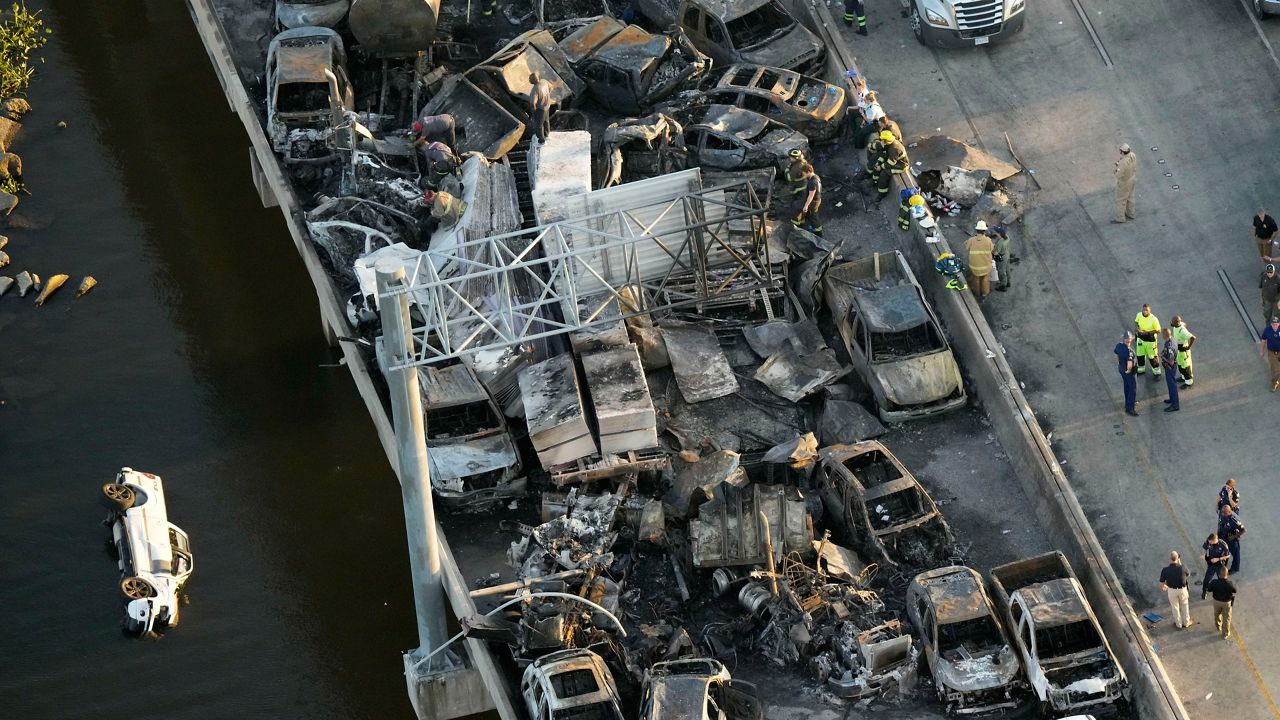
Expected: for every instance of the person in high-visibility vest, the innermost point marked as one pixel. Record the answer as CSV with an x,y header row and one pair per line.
x,y
1148,329
980,250
1184,339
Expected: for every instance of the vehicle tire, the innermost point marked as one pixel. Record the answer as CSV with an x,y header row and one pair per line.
x,y
917,24
1258,9
135,588
121,496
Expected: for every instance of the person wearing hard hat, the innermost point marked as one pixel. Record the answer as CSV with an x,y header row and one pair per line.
x,y
1147,327
908,200
892,160
1126,363
980,250
1126,178
795,172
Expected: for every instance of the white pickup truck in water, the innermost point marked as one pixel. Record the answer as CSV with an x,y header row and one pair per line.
x,y
154,554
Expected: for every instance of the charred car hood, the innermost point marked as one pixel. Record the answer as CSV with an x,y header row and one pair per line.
x,y
793,49
979,673
452,460
918,380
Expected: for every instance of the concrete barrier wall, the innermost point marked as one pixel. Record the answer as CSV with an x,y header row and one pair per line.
x,y
1046,486
268,175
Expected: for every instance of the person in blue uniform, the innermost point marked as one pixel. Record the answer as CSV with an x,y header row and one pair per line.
x,y
1228,495
1216,557
1231,529
1169,359
1127,361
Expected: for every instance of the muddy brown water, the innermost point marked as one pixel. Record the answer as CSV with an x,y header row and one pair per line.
x,y
198,357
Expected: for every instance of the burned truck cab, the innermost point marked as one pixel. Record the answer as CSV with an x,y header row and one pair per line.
x,y
473,460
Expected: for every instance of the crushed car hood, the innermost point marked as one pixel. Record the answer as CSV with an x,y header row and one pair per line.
x,y
918,380
452,460
979,673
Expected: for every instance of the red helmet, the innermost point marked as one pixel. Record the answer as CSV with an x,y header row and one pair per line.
x,y
417,127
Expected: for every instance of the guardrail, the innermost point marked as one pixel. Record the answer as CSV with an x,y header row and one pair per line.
x,y
1038,470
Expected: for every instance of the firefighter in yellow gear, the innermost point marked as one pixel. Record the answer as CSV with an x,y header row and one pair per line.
x,y
893,161
1184,339
795,172
445,208
1148,332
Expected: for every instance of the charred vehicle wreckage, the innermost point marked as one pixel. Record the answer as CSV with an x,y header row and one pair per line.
x,y
601,316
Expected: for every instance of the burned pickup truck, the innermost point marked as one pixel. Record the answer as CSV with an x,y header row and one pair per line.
x,y
893,338
627,68
874,500
974,669
473,458
1067,658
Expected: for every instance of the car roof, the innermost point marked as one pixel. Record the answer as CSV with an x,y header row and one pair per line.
x,y
584,41
449,386
730,120
303,64
1054,601
955,593
784,86
728,10
680,696
633,47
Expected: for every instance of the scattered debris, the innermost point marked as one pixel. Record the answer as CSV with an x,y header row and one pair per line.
x,y
51,287
701,369
939,152
26,281
16,107
5,283
4,259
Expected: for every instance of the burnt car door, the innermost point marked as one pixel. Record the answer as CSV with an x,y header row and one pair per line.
x,y
721,151
739,700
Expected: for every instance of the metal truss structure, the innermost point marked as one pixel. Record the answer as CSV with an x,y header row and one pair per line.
x,y
645,254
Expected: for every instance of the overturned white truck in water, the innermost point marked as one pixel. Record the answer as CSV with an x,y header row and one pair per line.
x,y
153,554
1067,659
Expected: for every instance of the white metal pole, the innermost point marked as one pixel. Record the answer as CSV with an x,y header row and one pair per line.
x,y
415,477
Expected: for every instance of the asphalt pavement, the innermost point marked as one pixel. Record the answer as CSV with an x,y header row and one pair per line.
x,y
1192,87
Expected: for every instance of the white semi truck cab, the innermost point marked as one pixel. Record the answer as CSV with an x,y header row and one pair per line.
x,y
965,23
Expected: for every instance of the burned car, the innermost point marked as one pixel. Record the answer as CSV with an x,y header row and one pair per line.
x,y
570,684
974,669
627,68
893,338
472,457
800,102
875,500
724,137
760,32
697,689
1066,656
308,93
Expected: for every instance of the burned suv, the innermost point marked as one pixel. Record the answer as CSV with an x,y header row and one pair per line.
x,y
895,342
973,667
873,499
760,32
